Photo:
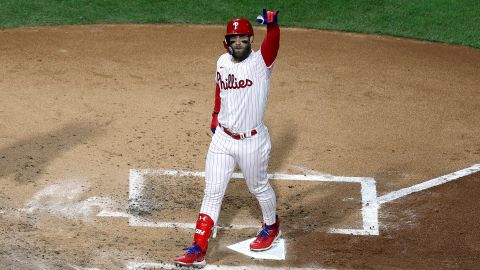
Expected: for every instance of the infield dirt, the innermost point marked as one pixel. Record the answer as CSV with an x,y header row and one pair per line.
x,y
81,105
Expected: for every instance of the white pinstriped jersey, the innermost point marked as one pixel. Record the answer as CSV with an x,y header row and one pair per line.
x,y
244,89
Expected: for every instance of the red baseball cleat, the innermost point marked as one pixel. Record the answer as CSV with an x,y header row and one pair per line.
x,y
266,237
193,257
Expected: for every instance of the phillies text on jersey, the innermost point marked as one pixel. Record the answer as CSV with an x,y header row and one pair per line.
x,y
244,91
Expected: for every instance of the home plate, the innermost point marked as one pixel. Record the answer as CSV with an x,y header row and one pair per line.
x,y
277,252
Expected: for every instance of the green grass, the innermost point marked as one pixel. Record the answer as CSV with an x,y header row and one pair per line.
x,y
450,21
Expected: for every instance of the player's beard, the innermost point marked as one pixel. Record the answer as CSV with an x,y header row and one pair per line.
x,y
241,54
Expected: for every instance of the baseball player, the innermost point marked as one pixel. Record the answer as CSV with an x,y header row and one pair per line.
x,y
239,134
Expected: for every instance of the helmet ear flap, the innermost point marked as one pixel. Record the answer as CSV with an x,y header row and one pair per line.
x,y
227,46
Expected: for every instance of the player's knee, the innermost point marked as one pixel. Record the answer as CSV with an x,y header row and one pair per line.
x,y
213,196
259,189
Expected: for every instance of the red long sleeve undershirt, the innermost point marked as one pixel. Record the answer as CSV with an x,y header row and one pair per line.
x,y
216,108
271,44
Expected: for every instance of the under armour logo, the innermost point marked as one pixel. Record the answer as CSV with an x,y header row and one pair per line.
x,y
204,218
235,25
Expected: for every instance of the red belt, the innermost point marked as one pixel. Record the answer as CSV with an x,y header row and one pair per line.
x,y
238,136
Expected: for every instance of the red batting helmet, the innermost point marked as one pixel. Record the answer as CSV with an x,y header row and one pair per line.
x,y
239,26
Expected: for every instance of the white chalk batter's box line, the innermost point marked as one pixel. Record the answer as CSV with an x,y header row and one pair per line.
x,y
370,206
370,202
368,193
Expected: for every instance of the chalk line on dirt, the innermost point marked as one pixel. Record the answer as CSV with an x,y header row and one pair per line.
x,y
428,184
137,201
64,199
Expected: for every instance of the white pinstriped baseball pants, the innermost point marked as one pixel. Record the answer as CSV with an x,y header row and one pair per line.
x,y
251,154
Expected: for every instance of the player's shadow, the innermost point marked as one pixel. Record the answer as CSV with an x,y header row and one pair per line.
x,y
296,221
27,159
283,142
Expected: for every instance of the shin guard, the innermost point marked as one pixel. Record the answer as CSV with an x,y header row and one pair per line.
x,y
203,230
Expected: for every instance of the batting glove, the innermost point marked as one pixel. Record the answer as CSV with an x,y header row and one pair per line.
x,y
268,17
